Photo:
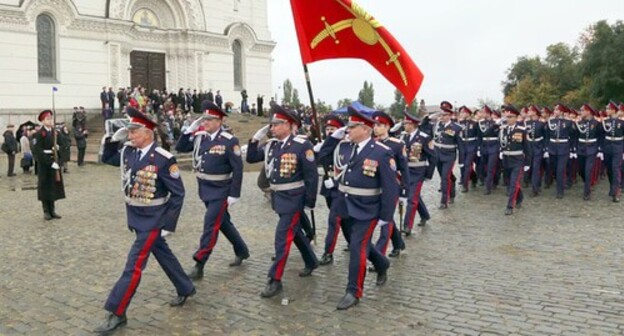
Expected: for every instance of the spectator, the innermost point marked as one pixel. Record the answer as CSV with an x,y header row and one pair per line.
x,y
122,97
210,97
104,97
260,103
64,141
111,99
27,159
80,135
218,98
10,148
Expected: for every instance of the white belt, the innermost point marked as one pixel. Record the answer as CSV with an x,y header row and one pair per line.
x,y
559,140
587,140
287,186
610,138
470,139
213,177
47,151
512,153
439,145
490,139
536,140
359,191
153,202
418,164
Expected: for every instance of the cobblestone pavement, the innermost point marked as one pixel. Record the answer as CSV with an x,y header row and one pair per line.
x,y
554,268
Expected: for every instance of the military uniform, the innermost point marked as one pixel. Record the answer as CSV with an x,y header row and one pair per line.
x,y
50,187
558,147
291,170
219,171
399,152
589,135
470,138
516,158
447,143
420,158
368,194
613,147
489,147
154,195
536,130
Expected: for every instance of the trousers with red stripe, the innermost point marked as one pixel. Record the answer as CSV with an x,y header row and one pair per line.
x,y
360,249
447,182
146,242
586,169
217,218
558,164
514,188
289,230
415,201
334,224
388,233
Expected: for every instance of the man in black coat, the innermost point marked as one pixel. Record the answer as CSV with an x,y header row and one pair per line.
x,y
104,97
219,99
10,148
111,99
80,135
50,181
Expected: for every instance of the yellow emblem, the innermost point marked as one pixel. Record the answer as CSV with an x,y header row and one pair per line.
x,y
174,171
236,149
364,26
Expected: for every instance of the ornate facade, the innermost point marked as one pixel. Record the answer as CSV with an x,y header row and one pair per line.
x,y
80,46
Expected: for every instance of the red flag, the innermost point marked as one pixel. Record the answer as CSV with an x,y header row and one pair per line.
x,y
342,29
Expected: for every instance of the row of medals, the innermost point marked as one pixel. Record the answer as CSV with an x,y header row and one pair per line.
x,y
288,165
369,167
415,152
145,184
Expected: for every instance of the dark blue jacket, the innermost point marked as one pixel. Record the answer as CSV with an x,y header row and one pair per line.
x,y
374,168
146,181
420,156
447,142
400,157
613,133
514,146
292,163
489,142
470,135
213,159
558,133
589,136
536,136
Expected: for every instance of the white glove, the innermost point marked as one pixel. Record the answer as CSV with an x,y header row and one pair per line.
x,y
403,200
571,155
165,233
329,183
262,133
478,153
121,135
339,133
232,200
575,156
461,165
396,127
500,156
317,147
307,208
600,155
194,126
546,155
381,222
55,166
526,168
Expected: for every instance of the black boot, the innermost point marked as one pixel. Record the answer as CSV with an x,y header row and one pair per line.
x,y
272,288
46,210
326,259
180,300
395,253
307,271
53,210
111,322
508,212
348,300
197,272
238,260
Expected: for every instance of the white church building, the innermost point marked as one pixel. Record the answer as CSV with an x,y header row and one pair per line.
x,y
79,46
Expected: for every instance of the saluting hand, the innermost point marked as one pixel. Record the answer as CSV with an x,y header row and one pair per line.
x,y
120,135
339,133
261,133
194,126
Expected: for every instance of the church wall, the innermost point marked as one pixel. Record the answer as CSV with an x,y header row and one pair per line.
x,y
10,2
91,7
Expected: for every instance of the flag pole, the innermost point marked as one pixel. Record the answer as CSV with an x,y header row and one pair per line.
x,y
317,131
54,143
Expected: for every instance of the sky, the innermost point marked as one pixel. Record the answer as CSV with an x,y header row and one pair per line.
x,y
463,48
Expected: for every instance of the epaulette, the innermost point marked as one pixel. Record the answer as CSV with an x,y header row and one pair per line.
x,y
423,134
299,139
164,153
394,140
227,135
383,146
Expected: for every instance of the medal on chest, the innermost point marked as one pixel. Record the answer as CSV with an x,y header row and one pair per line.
x,y
288,165
369,167
415,152
144,185
217,150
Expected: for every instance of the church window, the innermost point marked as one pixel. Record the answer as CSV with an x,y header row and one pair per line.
x,y
46,48
237,49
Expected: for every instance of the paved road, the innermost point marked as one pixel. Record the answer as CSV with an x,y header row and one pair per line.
x,y
554,268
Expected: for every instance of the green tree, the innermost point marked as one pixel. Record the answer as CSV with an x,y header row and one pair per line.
x,y
398,106
366,96
488,101
322,107
344,102
288,92
295,102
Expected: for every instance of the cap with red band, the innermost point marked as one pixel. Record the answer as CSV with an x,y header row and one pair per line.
x,y
383,118
534,108
282,115
138,119
333,121
43,114
465,109
212,110
410,118
446,107
357,118
612,106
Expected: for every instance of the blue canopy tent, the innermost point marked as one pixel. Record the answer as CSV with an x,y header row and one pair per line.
x,y
358,106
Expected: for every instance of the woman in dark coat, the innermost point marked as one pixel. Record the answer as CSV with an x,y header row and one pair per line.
x,y
64,141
